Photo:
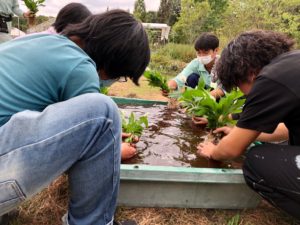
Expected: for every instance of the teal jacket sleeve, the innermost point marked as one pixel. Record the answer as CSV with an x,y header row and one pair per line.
x,y
16,9
192,67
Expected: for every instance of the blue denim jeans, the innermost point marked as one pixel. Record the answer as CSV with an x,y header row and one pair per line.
x,y
82,137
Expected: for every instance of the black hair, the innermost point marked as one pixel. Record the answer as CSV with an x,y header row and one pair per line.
x,y
70,14
116,42
206,41
248,54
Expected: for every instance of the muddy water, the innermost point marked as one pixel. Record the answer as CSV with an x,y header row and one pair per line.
x,y
171,139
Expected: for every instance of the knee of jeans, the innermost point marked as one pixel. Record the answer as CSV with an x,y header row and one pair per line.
x,y
99,103
102,106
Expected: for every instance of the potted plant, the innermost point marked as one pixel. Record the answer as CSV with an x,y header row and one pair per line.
x,y
33,6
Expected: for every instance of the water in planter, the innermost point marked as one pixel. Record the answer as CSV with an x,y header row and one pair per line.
x,y
171,139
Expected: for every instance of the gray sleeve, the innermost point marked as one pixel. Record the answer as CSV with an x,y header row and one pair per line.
x,y
16,8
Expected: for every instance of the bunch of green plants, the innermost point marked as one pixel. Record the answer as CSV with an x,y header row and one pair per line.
x,y
104,90
198,102
33,5
133,126
155,79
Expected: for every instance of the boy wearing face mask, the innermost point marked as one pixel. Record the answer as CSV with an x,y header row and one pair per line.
x,y
207,47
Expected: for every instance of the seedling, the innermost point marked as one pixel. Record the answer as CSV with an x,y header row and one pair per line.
x,y
198,102
33,5
104,90
133,126
155,79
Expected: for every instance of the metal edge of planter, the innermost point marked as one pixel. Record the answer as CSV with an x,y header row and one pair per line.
x,y
136,101
181,187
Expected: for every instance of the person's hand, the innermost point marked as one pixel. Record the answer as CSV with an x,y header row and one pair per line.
x,y
199,120
225,130
126,135
206,149
217,93
28,14
165,93
128,150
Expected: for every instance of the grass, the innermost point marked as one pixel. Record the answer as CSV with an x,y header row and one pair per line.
x,y
50,205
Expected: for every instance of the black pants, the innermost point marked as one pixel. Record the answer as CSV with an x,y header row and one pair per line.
x,y
274,172
193,79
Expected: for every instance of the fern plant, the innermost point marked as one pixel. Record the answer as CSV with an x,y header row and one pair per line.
x,y
133,126
199,102
33,5
155,79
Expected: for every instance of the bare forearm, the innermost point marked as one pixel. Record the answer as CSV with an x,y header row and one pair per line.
x,y
280,134
234,144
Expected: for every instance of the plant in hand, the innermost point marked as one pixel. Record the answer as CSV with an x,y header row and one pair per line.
x,y
104,90
155,79
133,126
33,5
198,102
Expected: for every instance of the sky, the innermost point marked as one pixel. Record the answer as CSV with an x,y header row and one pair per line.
x,y
96,6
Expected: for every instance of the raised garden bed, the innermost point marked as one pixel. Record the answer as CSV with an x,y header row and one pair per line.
x,y
160,181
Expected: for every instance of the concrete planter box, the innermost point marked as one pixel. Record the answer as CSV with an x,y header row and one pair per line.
x,y
166,186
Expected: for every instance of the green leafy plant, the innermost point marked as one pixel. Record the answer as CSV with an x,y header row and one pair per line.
x,y
198,102
33,5
235,220
155,79
133,126
104,90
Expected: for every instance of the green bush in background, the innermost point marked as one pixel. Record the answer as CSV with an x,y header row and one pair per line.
x,y
171,58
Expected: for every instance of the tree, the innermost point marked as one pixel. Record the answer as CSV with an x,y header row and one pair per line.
x,y
214,18
151,17
169,11
163,13
139,11
277,15
191,21
175,12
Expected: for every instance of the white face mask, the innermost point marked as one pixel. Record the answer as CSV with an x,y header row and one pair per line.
x,y
107,83
205,59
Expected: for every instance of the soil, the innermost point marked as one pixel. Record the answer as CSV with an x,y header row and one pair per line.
x,y
171,139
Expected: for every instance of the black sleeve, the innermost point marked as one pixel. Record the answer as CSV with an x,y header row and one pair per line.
x,y
267,104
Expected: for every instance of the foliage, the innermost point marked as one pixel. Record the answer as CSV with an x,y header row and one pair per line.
x,y
214,18
191,21
151,17
171,58
277,15
181,52
169,11
155,79
133,126
23,24
139,11
104,90
33,5
228,18
199,102
234,220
